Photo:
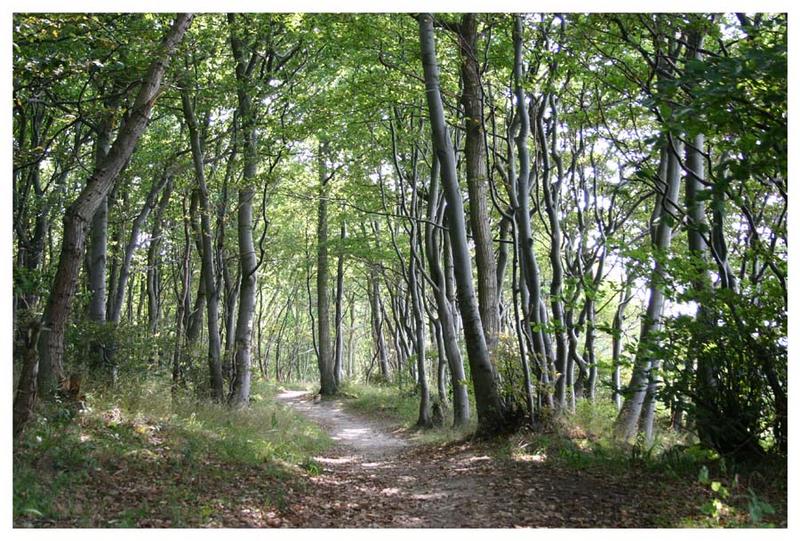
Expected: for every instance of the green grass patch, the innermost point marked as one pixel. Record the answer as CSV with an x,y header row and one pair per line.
x,y
400,408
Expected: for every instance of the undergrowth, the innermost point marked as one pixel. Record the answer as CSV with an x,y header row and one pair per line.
x,y
135,457
737,495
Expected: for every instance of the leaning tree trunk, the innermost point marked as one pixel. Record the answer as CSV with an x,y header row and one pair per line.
x,y
443,308
491,415
81,211
645,365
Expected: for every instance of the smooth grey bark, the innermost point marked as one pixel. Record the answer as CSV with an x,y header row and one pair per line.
x,y
529,268
417,294
98,243
81,211
376,320
491,416
502,263
445,323
240,386
206,252
523,334
617,328
645,365
552,203
450,279
119,195
132,245
183,304
153,269
696,225
424,417
441,361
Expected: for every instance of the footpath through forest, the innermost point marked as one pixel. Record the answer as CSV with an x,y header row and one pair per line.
x,y
375,477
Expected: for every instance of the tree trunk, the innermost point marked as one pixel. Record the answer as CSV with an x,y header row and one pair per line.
x,y
616,341
376,311
240,387
491,416
325,361
477,177
529,268
153,268
207,252
130,248
645,365
81,211
339,316
443,306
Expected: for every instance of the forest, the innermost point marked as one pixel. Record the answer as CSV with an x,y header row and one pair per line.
x,y
400,270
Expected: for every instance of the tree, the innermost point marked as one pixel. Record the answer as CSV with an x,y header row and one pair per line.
x,y
491,417
76,220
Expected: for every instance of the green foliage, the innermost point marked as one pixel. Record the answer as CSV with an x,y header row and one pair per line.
x,y
724,362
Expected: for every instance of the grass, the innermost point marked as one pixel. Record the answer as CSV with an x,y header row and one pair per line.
x,y
736,495
136,458
399,408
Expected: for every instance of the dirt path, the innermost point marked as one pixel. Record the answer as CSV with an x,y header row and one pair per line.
x,y
372,478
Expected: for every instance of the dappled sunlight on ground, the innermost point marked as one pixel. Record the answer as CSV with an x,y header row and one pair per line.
x,y
373,478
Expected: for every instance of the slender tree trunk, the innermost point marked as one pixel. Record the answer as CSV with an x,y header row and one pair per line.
x,y
532,303
339,315
132,245
376,311
443,306
153,268
477,177
81,211
617,328
207,253
552,201
491,416
645,364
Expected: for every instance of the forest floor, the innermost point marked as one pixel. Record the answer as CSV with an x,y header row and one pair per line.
x,y
291,460
373,476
